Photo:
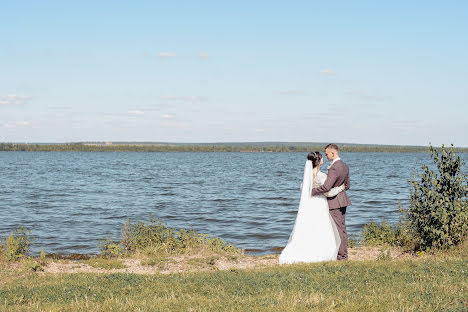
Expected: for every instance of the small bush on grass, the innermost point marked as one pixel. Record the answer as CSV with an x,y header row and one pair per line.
x,y
156,238
438,213
30,264
109,248
18,244
375,234
42,257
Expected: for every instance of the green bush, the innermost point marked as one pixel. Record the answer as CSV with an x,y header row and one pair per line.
x,y
375,234
156,238
30,264
18,244
438,212
109,248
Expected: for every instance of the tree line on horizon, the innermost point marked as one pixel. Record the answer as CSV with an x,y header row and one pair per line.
x,y
81,147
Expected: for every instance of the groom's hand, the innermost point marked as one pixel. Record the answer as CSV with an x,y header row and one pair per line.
x,y
329,182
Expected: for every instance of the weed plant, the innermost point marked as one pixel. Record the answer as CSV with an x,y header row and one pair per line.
x,y
376,234
17,245
154,238
31,265
109,248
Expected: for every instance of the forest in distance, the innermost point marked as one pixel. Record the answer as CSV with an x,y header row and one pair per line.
x,y
208,147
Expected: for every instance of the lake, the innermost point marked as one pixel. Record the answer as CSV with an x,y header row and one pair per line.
x,y
70,200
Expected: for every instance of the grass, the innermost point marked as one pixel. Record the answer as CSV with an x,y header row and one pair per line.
x,y
430,283
159,262
107,264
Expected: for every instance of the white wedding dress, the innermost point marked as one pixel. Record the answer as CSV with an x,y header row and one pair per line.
x,y
315,236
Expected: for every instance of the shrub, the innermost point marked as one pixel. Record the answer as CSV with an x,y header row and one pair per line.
x,y
109,248
18,244
375,234
32,265
438,211
156,238
42,257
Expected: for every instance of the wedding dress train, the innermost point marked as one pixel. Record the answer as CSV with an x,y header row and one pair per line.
x,y
315,236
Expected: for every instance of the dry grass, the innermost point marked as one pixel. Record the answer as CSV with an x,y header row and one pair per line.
x,y
204,282
144,264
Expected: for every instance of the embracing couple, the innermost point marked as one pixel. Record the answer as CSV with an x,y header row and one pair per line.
x,y
319,233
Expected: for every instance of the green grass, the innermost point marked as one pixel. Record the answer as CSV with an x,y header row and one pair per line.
x,y
430,283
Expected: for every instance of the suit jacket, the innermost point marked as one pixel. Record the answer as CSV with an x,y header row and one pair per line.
x,y
337,175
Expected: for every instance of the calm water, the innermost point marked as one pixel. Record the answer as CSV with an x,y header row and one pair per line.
x,y
70,200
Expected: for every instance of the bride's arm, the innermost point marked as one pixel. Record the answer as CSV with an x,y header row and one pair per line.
x,y
335,191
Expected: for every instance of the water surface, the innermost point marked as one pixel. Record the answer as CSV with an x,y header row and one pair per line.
x,y
70,200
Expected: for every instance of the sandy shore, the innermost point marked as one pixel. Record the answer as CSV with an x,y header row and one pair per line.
x,y
197,263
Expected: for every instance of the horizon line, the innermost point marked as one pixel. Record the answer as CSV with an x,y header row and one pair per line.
x,y
224,142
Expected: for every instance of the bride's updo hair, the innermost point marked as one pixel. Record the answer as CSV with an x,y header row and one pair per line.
x,y
315,158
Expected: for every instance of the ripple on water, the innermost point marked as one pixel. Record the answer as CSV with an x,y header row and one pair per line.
x,y
72,200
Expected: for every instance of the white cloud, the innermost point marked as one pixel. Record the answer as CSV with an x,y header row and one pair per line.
x,y
167,54
327,72
167,116
136,112
14,99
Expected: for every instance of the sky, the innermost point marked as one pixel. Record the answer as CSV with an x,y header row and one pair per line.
x,y
369,72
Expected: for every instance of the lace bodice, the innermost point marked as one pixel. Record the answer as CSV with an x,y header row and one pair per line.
x,y
320,179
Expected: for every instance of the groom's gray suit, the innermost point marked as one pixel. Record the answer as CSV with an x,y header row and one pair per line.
x,y
338,174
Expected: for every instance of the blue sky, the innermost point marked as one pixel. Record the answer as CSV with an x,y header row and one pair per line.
x,y
219,71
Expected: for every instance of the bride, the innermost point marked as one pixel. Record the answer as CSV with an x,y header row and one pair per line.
x,y
314,237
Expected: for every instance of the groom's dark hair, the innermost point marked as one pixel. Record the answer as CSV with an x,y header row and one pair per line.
x,y
332,146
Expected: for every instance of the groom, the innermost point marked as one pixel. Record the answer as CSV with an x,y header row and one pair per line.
x,y
338,174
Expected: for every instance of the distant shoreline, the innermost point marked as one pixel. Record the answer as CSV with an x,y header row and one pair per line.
x,y
206,147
